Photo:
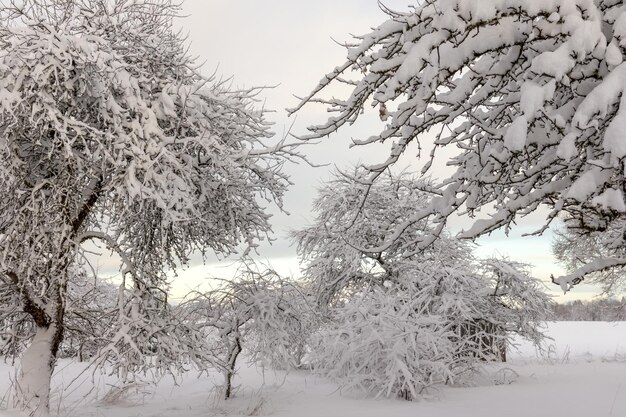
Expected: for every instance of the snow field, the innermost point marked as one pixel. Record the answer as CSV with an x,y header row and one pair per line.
x,y
580,373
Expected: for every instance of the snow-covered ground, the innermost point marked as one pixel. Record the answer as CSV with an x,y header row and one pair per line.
x,y
581,373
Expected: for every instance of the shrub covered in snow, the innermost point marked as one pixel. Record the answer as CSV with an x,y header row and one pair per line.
x,y
336,249
435,325
258,312
402,320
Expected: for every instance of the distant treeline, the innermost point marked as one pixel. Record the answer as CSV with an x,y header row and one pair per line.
x,y
605,309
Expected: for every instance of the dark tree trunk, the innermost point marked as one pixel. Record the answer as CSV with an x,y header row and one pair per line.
x,y
230,371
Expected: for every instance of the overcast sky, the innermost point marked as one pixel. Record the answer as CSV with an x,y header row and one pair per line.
x,y
290,45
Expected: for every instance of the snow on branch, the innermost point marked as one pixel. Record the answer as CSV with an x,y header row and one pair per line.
x,y
600,265
528,94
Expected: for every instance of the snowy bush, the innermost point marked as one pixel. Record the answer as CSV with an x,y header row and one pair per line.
x,y
437,325
403,320
516,302
259,313
90,313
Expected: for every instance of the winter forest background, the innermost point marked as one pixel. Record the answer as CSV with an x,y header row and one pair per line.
x,y
211,207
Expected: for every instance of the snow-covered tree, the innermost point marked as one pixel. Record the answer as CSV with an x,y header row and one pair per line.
x,y
336,247
528,92
108,133
259,313
402,320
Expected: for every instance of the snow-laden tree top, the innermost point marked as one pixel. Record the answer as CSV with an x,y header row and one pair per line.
x,y
332,246
105,124
529,91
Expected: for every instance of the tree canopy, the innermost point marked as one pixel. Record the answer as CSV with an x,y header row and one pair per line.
x,y
529,93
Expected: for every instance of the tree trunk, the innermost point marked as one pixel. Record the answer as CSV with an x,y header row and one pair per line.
x,y
35,373
32,389
230,372
80,352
